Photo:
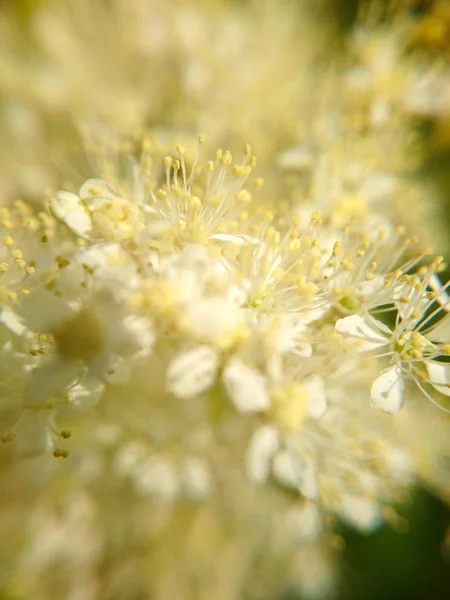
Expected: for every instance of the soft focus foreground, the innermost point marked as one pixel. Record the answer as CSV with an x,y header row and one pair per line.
x,y
210,365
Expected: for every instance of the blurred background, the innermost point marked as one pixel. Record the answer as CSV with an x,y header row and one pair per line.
x,y
241,70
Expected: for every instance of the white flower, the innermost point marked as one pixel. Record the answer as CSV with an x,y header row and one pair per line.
x,y
411,345
268,450
97,213
111,267
82,343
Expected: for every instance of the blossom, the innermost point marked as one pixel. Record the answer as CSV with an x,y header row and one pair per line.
x,y
413,345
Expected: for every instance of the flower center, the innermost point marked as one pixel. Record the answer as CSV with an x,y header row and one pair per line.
x,y
80,338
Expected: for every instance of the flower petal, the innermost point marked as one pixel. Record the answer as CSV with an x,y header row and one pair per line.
x,y
86,393
441,331
192,372
245,386
262,447
95,188
50,380
296,473
155,476
303,523
366,331
296,158
211,319
12,321
32,436
439,374
361,513
237,240
317,402
387,391
69,209
442,295
196,479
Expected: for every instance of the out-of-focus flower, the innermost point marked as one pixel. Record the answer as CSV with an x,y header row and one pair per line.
x,y
172,67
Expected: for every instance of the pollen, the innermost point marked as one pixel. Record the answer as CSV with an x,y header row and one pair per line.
x,y
289,405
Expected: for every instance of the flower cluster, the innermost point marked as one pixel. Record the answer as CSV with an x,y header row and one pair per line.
x,y
218,357
171,278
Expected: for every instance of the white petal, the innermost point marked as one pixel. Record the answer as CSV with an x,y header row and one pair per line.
x,y
86,393
211,318
302,347
50,380
297,158
112,266
399,463
12,321
156,476
237,240
417,301
118,371
366,331
192,372
296,473
153,229
442,296
63,202
308,485
137,333
245,386
103,256
313,314
439,374
79,222
291,336
441,331
237,295
379,186
128,456
361,513
303,523
387,391
32,435
94,188
262,447
43,312
196,479
69,209
96,203
317,402
365,288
